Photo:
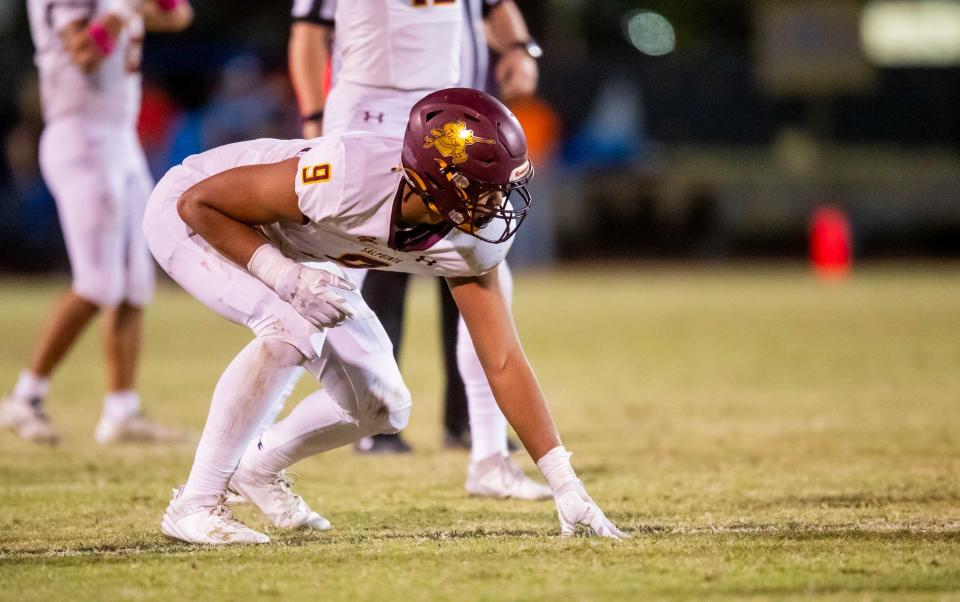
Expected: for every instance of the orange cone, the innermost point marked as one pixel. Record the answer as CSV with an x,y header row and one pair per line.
x,y
831,243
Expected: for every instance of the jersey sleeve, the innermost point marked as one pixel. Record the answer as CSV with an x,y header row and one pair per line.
x,y
60,13
321,173
319,12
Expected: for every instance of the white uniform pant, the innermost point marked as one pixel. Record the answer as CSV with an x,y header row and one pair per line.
x,y
354,107
353,361
99,178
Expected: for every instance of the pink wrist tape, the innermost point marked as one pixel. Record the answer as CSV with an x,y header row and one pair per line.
x,y
168,5
101,38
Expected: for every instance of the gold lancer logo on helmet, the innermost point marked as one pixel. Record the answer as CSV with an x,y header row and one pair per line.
x,y
452,139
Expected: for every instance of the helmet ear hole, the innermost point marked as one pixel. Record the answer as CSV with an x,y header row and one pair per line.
x,y
431,115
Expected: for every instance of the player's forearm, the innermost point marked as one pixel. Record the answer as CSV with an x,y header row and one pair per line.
x,y
236,240
506,26
309,50
522,402
167,16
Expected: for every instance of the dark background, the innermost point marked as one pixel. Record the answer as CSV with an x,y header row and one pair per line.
x,y
707,162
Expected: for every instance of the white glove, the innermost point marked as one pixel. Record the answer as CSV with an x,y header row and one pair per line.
x,y
574,506
312,292
314,298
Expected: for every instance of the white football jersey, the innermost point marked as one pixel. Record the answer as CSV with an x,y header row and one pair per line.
x,y
401,44
111,93
348,188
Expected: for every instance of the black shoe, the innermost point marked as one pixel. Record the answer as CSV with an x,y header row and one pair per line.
x,y
382,444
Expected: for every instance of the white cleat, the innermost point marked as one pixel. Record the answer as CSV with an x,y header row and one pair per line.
x,y
206,525
282,507
25,417
498,477
135,429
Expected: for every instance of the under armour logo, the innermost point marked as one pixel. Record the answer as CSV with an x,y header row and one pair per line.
x,y
426,260
370,116
367,239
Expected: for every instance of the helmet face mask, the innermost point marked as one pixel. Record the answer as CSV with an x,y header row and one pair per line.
x,y
483,203
466,155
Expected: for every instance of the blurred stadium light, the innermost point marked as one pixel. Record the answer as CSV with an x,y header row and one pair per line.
x,y
916,34
650,33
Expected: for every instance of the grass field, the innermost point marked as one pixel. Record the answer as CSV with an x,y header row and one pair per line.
x,y
761,435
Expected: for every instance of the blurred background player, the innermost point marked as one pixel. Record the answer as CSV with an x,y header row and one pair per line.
x,y
380,68
496,21
88,55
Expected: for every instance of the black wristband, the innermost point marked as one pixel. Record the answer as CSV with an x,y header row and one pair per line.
x,y
315,116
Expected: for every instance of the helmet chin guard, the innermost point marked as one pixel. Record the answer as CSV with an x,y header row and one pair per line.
x,y
466,155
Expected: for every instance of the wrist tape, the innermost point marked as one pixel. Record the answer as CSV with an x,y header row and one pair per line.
x,y
556,468
275,270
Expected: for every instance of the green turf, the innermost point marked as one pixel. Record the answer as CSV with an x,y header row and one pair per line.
x,y
760,434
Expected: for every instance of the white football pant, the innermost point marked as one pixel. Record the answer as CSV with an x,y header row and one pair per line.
x,y
99,178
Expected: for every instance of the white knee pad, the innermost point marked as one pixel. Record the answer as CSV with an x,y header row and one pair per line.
x,y
288,327
384,407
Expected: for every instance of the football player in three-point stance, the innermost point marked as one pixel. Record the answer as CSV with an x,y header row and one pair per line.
x,y
387,54
235,226
88,55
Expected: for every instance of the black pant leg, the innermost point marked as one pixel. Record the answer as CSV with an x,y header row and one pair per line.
x,y
386,294
456,418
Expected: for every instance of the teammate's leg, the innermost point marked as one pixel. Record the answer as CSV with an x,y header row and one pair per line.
x,y
76,172
22,411
122,419
70,317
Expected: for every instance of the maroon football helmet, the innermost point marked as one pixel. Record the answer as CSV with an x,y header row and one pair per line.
x,y
465,153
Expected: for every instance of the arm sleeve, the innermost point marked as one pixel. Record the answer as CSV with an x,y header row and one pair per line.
x,y
319,12
320,179
60,13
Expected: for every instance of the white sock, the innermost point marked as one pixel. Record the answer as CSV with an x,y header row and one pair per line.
x,y
120,405
245,394
316,425
30,386
488,426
